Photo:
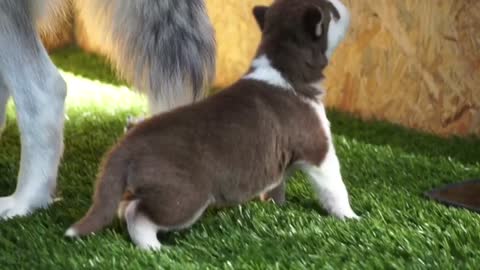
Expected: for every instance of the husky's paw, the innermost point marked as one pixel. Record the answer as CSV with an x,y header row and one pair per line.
x,y
11,207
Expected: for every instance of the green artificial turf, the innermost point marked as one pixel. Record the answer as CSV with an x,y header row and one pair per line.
x,y
386,169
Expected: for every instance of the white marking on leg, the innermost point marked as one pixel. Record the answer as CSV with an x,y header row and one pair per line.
x,y
326,178
337,29
270,187
39,92
329,186
142,230
263,71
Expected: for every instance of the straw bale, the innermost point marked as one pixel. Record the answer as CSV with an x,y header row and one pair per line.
x,y
412,62
237,36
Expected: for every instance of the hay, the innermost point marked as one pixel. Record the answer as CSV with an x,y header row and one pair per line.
x,y
412,62
237,36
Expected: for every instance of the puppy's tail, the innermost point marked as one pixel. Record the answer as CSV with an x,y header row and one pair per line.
x,y
110,186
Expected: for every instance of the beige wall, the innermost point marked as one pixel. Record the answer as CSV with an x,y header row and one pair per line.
x,y
237,36
412,62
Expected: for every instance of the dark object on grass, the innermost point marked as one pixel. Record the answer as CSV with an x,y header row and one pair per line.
x,y
464,195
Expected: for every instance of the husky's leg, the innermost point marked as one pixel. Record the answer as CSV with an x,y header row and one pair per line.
x,y
154,46
4,95
39,92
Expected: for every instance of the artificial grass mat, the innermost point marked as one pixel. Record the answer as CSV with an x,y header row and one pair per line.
x,y
386,169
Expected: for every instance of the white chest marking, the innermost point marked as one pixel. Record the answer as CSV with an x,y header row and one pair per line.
x,y
263,71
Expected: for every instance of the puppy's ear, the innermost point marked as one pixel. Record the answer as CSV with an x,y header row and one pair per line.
x,y
312,20
259,14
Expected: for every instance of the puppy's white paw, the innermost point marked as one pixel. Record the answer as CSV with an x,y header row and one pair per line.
x,y
71,232
10,208
352,216
345,214
153,245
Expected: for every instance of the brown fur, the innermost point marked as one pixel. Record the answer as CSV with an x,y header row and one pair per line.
x,y
230,147
298,58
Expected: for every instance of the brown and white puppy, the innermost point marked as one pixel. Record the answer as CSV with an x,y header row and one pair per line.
x,y
237,144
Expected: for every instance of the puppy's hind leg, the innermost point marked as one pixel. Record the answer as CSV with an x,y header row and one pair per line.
x,y
39,92
277,195
141,228
164,208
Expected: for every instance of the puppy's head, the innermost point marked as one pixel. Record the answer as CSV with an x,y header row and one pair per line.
x,y
299,36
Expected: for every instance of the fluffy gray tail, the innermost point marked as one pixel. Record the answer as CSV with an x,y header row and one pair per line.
x,y
165,48
110,186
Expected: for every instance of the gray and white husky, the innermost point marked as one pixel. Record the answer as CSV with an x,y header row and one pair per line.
x,y
164,48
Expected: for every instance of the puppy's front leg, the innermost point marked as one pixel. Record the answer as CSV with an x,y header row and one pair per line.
x,y
38,91
328,183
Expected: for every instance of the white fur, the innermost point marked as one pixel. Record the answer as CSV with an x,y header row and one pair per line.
x,y
122,31
3,106
39,103
143,230
271,186
71,232
319,86
326,177
263,71
337,29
